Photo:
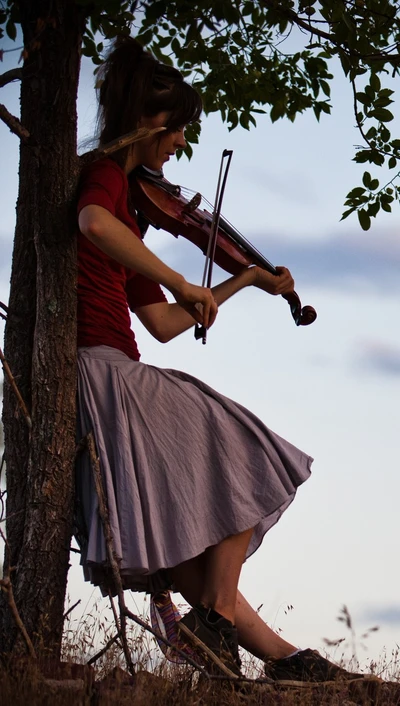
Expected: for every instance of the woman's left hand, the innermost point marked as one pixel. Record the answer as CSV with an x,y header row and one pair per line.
x,y
281,283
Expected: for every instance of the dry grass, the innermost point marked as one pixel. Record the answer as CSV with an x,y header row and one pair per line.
x,y
157,682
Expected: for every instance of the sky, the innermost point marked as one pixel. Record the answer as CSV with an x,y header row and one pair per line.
x,y
331,389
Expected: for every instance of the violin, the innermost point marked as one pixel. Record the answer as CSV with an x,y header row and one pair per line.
x,y
163,205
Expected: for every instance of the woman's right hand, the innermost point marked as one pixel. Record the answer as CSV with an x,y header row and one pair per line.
x,y
198,301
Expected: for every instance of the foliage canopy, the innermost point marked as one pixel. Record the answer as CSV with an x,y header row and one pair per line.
x,y
235,54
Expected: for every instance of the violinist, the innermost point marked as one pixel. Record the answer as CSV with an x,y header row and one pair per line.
x,y
193,480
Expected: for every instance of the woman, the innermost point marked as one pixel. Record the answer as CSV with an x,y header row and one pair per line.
x,y
193,480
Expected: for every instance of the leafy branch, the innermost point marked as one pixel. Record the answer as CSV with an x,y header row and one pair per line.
x,y
233,53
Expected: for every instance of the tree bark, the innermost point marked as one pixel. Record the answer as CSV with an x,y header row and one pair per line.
x,y
40,339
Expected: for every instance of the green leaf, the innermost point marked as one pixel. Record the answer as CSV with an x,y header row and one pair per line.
x,y
11,30
382,114
374,184
347,213
375,82
366,180
392,163
373,208
364,219
355,193
386,207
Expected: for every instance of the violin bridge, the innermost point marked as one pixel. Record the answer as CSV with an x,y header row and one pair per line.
x,y
193,204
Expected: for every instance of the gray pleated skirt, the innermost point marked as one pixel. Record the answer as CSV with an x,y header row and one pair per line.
x,y
183,467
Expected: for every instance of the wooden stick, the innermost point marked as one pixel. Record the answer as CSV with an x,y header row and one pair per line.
x,y
135,136
6,586
112,558
16,391
104,649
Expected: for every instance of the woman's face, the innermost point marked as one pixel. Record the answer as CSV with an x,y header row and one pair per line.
x,y
154,151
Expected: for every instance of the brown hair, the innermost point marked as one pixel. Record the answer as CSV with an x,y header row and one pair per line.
x,y
133,84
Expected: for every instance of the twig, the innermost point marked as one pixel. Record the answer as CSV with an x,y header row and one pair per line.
x,y
66,614
13,514
94,460
13,123
6,586
120,142
104,649
13,384
292,16
8,76
114,611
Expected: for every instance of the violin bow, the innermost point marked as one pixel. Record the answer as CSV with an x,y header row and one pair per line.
x,y
201,331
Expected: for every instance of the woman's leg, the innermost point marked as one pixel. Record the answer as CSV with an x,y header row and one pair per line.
x,y
212,578
255,635
192,579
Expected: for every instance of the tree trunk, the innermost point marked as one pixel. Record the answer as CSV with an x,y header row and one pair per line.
x,y
40,343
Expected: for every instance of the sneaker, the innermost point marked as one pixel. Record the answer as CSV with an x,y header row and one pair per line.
x,y
214,637
307,666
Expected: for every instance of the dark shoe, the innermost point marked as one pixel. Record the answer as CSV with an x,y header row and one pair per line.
x,y
214,637
307,666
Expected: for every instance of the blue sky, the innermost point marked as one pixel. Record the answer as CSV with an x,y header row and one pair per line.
x,y
332,388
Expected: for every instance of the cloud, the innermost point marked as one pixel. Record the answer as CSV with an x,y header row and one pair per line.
x,y
355,261
383,615
349,263
379,357
277,184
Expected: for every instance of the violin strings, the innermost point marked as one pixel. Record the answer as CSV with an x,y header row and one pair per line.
x,y
189,193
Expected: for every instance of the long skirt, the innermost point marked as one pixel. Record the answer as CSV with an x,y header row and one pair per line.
x,y
183,467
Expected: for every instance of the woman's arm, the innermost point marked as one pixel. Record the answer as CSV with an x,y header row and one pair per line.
x,y
115,239
166,321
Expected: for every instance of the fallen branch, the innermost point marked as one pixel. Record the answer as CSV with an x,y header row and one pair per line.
x,y
15,389
6,586
13,124
9,76
104,649
140,134
112,558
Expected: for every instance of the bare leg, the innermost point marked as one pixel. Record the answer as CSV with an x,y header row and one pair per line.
x,y
220,567
254,634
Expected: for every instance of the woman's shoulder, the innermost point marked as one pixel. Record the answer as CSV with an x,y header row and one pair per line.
x,y
103,183
102,168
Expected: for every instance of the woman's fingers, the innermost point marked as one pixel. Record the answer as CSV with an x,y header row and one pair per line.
x,y
199,302
280,283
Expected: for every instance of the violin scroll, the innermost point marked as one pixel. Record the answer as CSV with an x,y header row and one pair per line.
x,y
302,316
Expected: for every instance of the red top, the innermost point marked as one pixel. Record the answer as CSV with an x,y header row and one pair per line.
x,y
107,289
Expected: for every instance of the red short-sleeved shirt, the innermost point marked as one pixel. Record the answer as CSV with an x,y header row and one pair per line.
x,y
106,289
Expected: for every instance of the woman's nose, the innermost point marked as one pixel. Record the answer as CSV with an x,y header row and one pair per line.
x,y
180,141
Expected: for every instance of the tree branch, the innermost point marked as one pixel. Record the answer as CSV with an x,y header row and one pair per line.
x,y
293,17
13,123
9,76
